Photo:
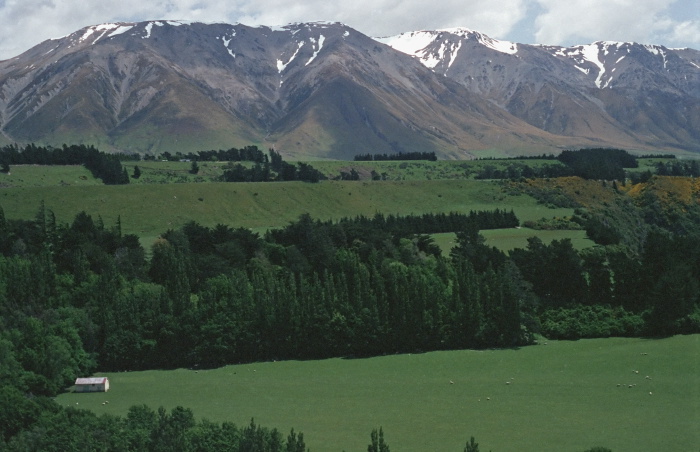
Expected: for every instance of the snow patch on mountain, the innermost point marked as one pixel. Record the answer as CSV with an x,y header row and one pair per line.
x,y
321,39
281,66
120,29
658,51
421,44
149,28
412,43
592,54
103,28
226,43
508,47
454,54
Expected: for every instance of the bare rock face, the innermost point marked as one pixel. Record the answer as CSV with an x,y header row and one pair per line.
x,y
327,90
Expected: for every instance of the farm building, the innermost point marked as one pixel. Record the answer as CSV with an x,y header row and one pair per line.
x,y
98,384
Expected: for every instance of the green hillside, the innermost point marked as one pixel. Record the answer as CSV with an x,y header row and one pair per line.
x,y
148,210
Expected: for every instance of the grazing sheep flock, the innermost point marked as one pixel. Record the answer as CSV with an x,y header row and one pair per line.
x,y
636,372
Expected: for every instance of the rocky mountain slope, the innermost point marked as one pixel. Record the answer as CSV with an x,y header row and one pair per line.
x,y
320,90
612,91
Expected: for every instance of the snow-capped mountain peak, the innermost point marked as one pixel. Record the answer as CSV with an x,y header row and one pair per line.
x,y
439,49
450,90
418,43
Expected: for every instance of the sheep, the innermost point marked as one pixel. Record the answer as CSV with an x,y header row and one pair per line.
x,y
452,382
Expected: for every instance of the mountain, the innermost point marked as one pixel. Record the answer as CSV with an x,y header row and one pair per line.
x,y
325,90
616,92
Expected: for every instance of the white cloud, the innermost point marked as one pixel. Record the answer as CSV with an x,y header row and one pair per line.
x,y
685,32
28,22
25,23
584,21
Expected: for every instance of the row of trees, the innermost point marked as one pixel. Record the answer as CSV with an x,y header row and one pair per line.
x,y
272,169
266,173
104,166
381,228
37,423
245,154
599,163
678,168
220,295
430,156
108,167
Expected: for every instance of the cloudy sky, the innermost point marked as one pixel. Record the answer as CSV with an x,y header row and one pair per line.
x,y
25,23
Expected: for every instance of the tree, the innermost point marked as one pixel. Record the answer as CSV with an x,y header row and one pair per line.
x,y
472,446
471,245
137,172
378,444
295,443
194,169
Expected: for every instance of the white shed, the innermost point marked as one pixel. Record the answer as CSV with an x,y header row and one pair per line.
x,y
96,384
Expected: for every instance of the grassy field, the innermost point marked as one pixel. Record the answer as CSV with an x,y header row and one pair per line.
x,y
556,396
511,238
148,210
47,176
412,170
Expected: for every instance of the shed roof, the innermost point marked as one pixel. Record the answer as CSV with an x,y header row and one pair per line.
x,y
90,381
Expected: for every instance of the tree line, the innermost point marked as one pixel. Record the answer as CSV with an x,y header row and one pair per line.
x,y
347,230
597,163
213,296
680,168
429,156
272,169
249,153
33,424
109,169
103,166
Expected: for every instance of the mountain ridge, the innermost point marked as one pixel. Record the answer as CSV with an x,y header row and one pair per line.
x,y
521,78
325,90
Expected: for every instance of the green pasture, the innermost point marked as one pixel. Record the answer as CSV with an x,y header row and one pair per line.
x,y
154,172
511,238
628,395
158,172
148,210
47,176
